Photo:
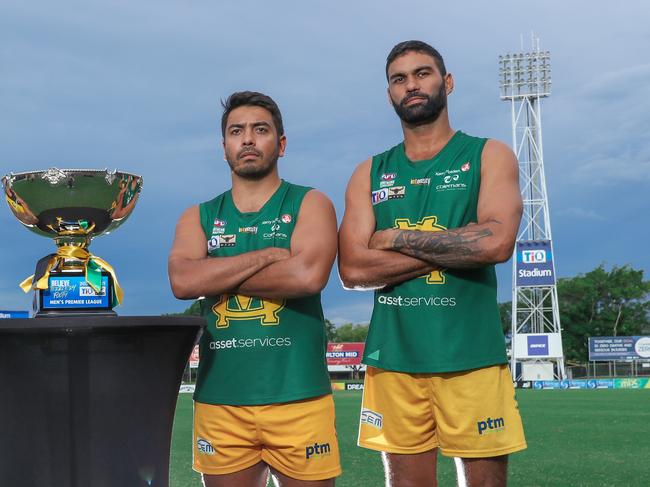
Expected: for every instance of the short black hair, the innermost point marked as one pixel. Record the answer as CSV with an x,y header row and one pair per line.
x,y
417,46
255,99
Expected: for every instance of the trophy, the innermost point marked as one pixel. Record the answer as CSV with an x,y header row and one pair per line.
x,y
72,206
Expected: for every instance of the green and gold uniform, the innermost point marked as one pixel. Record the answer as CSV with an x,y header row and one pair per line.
x,y
447,320
435,350
259,351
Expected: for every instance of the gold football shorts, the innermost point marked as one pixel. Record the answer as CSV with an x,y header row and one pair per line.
x,y
469,414
298,439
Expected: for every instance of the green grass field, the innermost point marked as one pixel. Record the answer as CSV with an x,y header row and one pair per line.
x,y
575,438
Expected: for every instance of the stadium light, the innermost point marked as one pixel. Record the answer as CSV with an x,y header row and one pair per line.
x,y
525,74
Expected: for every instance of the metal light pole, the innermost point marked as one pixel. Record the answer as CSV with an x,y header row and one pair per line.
x,y
536,353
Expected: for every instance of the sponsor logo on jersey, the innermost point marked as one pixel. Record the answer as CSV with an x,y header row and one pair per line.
x,y
231,307
427,224
218,231
413,302
421,182
275,228
317,449
204,446
450,180
379,196
490,425
219,223
389,176
465,167
213,243
386,184
247,229
286,218
250,343
372,418
227,240
396,192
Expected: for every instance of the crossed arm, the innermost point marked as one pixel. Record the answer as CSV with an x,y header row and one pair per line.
x,y
271,272
375,259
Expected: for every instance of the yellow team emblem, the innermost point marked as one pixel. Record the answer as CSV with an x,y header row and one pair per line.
x,y
427,224
237,307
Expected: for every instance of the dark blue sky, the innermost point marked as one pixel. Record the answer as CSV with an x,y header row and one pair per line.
x,y
136,86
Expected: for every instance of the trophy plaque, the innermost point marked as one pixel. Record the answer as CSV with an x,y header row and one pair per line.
x,y
72,206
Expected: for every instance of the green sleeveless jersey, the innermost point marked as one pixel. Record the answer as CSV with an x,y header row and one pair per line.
x,y
447,320
255,350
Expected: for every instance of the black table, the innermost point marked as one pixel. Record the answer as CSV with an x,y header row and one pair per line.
x,y
89,401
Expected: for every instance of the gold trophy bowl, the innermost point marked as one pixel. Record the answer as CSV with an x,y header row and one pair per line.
x,y
72,206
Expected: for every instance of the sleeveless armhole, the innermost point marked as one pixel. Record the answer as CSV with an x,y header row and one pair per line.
x,y
480,161
300,192
203,217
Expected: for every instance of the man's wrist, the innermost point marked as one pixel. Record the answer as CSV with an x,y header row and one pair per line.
x,y
275,254
387,239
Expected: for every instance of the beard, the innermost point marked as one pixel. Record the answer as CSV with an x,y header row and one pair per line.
x,y
422,113
253,170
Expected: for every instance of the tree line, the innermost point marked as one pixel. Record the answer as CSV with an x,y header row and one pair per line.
x,y
601,302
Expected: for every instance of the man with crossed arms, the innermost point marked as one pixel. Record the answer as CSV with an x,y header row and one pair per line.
x,y
424,224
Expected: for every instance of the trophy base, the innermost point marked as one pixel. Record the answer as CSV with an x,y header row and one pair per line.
x,y
68,294
53,313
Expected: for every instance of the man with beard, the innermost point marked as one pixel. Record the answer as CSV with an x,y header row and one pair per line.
x,y
260,253
424,224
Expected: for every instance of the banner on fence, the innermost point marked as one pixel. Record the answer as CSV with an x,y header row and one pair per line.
x,y
619,383
606,349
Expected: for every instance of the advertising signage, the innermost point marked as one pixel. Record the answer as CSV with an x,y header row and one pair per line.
x,y
534,263
619,348
194,358
538,345
13,314
344,353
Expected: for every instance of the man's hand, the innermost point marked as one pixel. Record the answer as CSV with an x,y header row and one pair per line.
x,y
383,239
193,274
361,265
313,249
488,241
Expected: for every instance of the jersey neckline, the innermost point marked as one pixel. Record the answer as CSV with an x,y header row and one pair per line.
x,y
428,162
253,214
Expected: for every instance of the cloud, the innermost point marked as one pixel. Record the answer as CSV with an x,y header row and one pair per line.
x,y
355,312
602,137
580,213
617,83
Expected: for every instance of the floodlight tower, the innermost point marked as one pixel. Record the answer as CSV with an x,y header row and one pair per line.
x,y
536,346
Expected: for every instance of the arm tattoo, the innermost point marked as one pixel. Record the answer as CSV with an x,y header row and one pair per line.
x,y
456,248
